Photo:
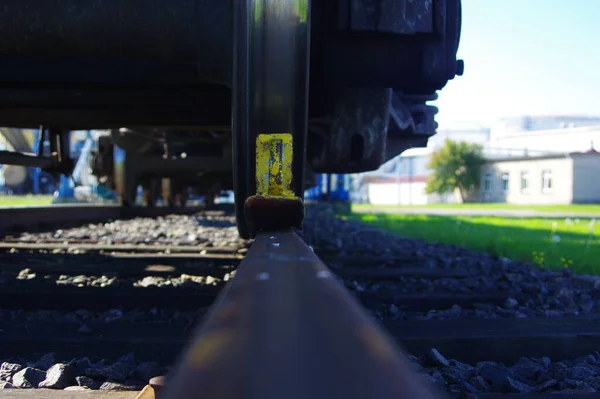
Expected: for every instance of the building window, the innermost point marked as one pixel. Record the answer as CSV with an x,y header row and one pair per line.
x,y
505,182
525,181
547,180
487,183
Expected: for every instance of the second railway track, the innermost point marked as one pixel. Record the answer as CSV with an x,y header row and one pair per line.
x,y
79,296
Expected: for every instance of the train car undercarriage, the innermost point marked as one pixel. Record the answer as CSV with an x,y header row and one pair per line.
x,y
209,93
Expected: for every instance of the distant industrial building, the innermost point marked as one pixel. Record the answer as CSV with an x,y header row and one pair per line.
x,y
402,182
524,124
545,179
530,160
574,138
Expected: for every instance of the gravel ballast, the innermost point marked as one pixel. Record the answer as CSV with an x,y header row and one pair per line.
x,y
528,375
207,229
123,374
531,292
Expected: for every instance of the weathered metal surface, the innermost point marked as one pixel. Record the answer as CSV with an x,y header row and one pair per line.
x,y
412,122
109,107
180,31
130,169
406,17
275,205
357,134
274,156
162,46
272,52
284,328
274,213
419,63
362,112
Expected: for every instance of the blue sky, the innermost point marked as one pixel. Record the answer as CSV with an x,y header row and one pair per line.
x,y
525,57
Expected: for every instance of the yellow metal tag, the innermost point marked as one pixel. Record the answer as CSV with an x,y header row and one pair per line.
x,y
274,155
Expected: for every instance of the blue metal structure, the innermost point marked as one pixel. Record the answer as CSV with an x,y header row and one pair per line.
x,y
66,188
37,181
67,184
330,187
35,172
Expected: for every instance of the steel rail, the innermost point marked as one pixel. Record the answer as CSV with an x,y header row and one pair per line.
x,y
195,250
283,327
19,218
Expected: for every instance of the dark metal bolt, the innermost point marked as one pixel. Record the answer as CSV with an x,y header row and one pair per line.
x,y
460,67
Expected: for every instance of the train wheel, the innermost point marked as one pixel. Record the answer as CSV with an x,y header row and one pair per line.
x,y
209,201
182,195
271,62
128,196
150,192
168,193
175,194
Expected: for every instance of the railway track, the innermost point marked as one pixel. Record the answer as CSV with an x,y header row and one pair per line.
x,y
83,297
13,219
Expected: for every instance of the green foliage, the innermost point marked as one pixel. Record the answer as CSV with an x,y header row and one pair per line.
x,y
548,243
491,207
455,166
25,200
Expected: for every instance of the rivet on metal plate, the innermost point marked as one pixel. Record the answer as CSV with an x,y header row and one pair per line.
x,y
262,276
323,274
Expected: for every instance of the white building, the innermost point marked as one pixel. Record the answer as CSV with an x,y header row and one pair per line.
x,y
468,132
402,180
566,140
542,180
521,124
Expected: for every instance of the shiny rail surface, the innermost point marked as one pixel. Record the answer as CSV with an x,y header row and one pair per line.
x,y
285,328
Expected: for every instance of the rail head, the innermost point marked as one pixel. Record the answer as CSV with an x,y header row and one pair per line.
x,y
284,327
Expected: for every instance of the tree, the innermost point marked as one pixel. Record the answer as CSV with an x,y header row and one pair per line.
x,y
457,165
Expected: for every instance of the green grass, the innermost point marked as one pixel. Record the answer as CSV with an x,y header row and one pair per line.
x,y
25,200
583,208
552,243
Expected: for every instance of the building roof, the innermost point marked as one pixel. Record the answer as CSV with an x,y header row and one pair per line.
x,y
551,117
544,156
591,151
394,179
546,132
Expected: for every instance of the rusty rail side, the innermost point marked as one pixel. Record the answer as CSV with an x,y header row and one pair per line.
x,y
284,328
